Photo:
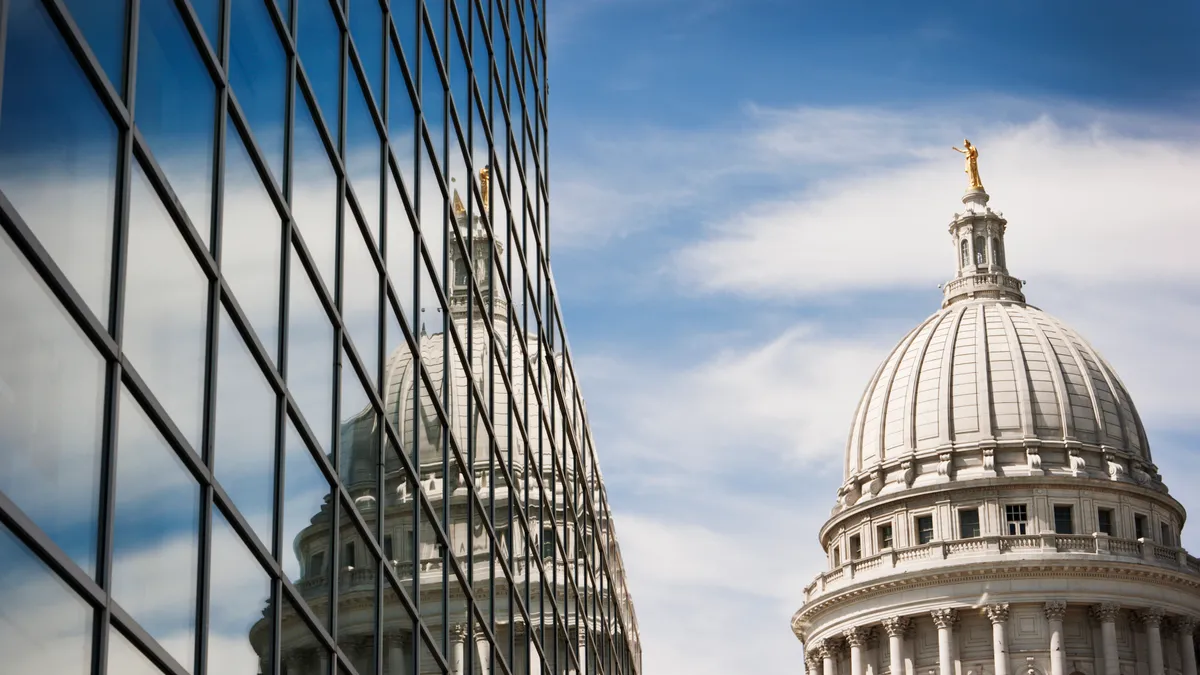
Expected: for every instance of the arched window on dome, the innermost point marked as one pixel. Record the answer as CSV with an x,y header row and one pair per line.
x,y
997,251
966,255
980,251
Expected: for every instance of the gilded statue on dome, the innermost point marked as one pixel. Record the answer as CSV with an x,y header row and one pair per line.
x,y
972,155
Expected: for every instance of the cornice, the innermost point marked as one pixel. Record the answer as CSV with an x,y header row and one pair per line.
x,y
1177,580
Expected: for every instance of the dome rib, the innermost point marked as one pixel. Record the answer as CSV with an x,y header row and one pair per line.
x,y
885,399
1020,374
910,395
1065,412
1097,415
946,385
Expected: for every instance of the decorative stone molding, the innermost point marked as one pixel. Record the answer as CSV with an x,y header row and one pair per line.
x,y
1033,458
945,465
1078,463
945,617
1151,616
1056,610
1115,470
997,612
1105,612
989,459
908,472
857,636
897,626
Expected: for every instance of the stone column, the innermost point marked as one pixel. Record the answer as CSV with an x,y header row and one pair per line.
x,y
483,652
944,619
857,639
394,644
896,627
458,637
1106,615
1185,626
1152,619
998,615
827,650
1055,611
812,662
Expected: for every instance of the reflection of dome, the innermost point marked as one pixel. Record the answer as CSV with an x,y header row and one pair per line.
x,y
508,476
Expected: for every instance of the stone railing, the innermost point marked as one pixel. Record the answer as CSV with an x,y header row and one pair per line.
x,y
1049,543
975,280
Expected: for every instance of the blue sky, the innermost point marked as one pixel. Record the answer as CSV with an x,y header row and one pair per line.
x,y
748,208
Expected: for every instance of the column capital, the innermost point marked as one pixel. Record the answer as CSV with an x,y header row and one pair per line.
x,y
945,617
1185,624
857,636
1056,610
997,612
1105,612
1151,616
813,661
458,632
829,648
897,626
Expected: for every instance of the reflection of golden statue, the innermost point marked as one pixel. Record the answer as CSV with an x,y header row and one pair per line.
x,y
484,176
972,170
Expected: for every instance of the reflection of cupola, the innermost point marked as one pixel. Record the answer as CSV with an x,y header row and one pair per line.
x,y
475,236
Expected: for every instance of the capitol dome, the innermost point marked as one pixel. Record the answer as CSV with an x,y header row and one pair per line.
x,y
991,386
999,511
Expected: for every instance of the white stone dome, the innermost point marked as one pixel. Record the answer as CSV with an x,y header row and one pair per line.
x,y
990,386
991,371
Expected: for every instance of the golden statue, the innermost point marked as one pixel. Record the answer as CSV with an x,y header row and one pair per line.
x,y
484,176
972,170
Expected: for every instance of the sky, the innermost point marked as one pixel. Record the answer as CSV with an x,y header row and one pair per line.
x,y
748,209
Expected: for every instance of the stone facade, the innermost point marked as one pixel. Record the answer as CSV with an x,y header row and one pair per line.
x,y
1000,514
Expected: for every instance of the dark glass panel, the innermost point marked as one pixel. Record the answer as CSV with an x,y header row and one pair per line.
x,y
176,108
166,297
400,260
258,75
285,10
360,295
251,242
156,531
357,601
401,121
239,619
126,659
363,154
359,429
431,220
433,94
244,443
310,354
318,40
103,26
460,79
366,27
306,518
44,626
398,631
314,193
51,407
209,13
58,152
404,15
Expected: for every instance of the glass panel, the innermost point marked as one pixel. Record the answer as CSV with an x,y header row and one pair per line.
x,y
314,193
258,75
363,155
251,242
239,606
306,532
356,604
166,296
51,407
103,25
366,27
397,631
176,108
401,121
404,15
319,43
433,93
44,626
400,260
360,295
244,443
310,354
209,12
155,534
285,10
125,659
58,152
359,460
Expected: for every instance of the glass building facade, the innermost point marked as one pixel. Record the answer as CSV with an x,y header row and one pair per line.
x,y
284,386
